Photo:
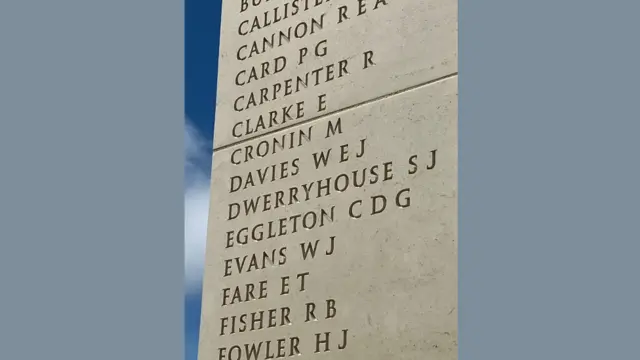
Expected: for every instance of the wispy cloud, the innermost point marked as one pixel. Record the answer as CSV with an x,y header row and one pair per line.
x,y
198,157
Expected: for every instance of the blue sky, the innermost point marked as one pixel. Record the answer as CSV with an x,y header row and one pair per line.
x,y
202,29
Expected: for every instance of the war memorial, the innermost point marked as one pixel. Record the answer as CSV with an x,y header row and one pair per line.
x,y
333,219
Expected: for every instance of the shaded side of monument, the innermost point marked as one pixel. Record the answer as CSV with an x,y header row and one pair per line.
x,y
333,220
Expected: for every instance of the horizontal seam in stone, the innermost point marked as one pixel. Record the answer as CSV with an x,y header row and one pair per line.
x,y
351,107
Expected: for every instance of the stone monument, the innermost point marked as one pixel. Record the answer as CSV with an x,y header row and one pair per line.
x,y
333,222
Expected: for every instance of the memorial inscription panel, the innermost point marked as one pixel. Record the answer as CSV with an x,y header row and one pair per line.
x,y
333,220
285,61
340,243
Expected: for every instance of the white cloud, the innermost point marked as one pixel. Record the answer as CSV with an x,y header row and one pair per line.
x,y
197,151
196,203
